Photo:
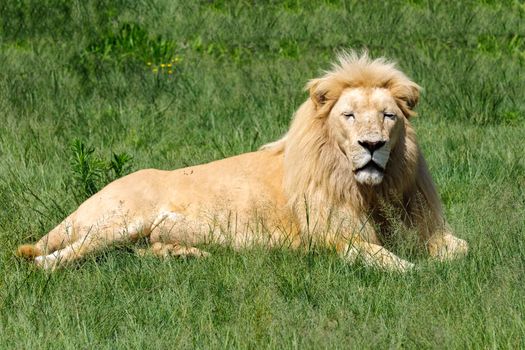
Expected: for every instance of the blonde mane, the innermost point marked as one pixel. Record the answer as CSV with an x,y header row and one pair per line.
x,y
315,168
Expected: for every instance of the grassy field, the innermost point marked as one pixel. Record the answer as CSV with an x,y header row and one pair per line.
x,y
165,84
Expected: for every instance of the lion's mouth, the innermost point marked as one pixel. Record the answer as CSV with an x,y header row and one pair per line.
x,y
371,165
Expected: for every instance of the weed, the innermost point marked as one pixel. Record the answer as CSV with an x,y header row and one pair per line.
x,y
90,172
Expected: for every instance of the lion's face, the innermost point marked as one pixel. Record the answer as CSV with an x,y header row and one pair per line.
x,y
367,124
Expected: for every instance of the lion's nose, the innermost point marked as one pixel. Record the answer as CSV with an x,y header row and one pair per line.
x,y
372,145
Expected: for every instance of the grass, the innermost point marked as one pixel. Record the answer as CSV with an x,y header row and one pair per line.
x,y
85,71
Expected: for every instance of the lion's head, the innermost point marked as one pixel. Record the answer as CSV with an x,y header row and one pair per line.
x,y
353,134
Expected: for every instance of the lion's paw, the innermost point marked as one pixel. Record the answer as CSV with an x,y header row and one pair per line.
x,y
395,264
447,247
403,266
383,259
165,250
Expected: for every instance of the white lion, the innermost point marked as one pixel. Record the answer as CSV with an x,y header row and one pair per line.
x,y
350,153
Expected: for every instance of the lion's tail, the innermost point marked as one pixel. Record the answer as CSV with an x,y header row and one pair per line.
x,y
28,251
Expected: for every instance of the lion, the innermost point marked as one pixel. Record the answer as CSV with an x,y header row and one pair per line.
x,y
349,156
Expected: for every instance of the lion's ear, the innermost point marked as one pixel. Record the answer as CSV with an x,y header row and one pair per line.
x,y
408,97
412,97
317,93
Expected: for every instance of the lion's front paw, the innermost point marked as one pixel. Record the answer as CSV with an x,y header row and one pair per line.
x,y
404,266
376,256
395,264
447,247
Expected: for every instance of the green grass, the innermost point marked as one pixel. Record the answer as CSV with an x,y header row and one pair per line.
x,y
76,70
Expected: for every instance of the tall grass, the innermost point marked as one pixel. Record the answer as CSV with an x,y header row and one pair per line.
x,y
91,71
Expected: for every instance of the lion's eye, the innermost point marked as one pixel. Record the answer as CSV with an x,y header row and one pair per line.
x,y
390,116
349,115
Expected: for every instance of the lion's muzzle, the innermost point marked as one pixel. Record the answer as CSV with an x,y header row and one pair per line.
x,y
370,161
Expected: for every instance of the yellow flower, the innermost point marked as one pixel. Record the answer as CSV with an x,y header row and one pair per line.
x,y
155,70
170,71
163,65
149,63
169,65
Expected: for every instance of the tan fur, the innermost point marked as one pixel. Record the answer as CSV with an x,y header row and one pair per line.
x,y
349,160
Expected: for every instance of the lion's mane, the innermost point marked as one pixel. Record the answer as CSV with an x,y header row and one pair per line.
x,y
316,169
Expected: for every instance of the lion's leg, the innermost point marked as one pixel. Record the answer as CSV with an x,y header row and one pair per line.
x,y
372,255
59,237
178,228
92,239
361,245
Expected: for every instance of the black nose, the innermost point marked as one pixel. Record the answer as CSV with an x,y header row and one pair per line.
x,y
372,145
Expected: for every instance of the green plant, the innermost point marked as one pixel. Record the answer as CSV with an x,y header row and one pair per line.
x,y
90,172
118,166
